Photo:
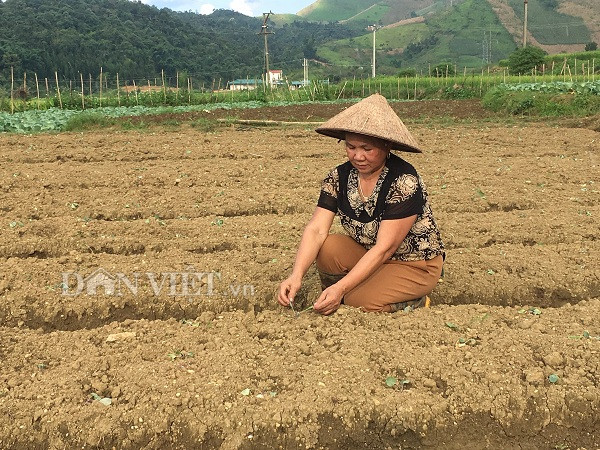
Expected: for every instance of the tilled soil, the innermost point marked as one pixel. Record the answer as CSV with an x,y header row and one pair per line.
x,y
194,230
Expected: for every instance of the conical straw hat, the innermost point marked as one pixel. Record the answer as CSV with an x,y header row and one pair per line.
x,y
374,117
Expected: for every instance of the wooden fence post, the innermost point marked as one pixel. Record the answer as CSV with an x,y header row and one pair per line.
x,y
162,74
100,86
118,90
189,91
135,92
82,91
58,89
12,90
37,89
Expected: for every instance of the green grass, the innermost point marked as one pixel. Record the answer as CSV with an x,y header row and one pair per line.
x,y
88,121
541,104
574,61
334,10
371,16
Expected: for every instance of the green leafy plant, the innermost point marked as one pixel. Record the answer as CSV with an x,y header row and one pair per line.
x,y
392,382
180,354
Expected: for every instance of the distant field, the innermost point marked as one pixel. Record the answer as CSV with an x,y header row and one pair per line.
x,y
465,34
356,51
334,10
371,15
551,27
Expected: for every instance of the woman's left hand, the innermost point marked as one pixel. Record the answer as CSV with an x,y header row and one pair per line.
x,y
329,301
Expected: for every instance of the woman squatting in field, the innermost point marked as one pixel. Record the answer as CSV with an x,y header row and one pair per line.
x,y
392,254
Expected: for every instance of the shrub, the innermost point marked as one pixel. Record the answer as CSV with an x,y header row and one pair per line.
x,y
591,46
411,73
523,60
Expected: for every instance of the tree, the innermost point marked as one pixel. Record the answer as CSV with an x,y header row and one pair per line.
x,y
591,46
523,60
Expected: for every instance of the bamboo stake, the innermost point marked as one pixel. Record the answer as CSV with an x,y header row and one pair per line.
x,y
189,92
118,90
177,86
588,71
415,93
407,88
82,91
91,93
341,91
58,89
481,83
47,89
100,86
25,85
12,90
37,89
135,92
150,92
162,74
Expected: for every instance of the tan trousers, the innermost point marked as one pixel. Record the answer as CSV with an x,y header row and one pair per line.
x,y
393,282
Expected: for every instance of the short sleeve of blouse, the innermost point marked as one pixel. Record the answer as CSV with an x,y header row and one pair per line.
x,y
329,191
404,198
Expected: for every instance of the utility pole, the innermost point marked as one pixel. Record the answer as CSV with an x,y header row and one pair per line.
x,y
374,28
524,23
265,32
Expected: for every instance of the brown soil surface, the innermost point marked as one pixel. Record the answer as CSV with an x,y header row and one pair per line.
x,y
518,207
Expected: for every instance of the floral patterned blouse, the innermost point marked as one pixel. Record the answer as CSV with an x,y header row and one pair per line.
x,y
399,193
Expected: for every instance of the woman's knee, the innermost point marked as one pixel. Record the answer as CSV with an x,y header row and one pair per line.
x,y
331,256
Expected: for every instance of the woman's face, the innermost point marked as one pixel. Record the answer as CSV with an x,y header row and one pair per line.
x,y
365,153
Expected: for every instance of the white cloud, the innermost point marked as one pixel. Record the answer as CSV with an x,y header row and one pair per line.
x,y
241,6
206,8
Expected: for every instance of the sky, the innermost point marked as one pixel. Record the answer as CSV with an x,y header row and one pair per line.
x,y
247,7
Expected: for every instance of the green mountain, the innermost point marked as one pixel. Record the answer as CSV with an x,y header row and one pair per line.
x,y
78,37
464,33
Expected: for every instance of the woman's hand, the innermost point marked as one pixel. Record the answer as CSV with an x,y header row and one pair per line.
x,y
288,289
330,300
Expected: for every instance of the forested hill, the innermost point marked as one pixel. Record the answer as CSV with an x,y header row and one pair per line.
x,y
137,40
